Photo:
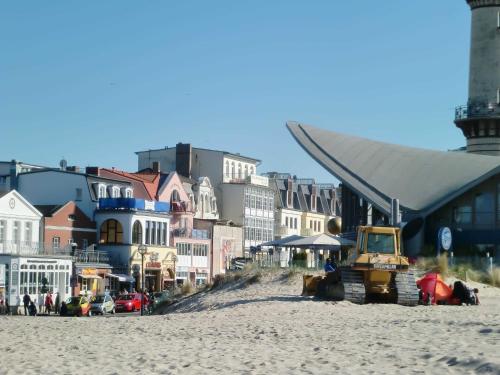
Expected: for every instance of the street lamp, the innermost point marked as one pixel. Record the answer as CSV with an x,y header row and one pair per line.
x,y
174,259
142,249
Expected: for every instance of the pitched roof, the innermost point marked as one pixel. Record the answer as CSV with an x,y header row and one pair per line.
x,y
48,209
423,180
148,181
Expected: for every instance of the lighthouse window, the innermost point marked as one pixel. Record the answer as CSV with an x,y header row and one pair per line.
x,y
498,96
498,20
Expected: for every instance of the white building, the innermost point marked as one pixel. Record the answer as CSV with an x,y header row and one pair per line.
x,y
241,195
125,224
27,265
205,200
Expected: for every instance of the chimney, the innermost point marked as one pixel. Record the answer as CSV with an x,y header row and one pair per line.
x,y
92,170
14,171
156,167
183,159
73,168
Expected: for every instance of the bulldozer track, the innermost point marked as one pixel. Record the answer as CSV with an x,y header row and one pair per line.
x,y
354,286
406,288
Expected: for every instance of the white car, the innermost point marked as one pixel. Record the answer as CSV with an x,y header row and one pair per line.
x,y
102,304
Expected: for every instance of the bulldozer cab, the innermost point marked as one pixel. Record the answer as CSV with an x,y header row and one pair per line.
x,y
378,240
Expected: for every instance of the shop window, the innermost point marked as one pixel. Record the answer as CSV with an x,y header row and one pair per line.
x,y
137,232
111,232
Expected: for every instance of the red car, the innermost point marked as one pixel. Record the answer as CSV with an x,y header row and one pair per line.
x,y
128,302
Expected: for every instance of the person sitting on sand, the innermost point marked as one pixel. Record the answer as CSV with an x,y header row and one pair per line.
x,y
32,309
329,266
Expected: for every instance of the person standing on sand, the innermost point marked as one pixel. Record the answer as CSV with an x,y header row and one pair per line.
x,y
41,301
57,303
48,303
26,302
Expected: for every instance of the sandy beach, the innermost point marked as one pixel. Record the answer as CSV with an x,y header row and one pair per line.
x,y
263,328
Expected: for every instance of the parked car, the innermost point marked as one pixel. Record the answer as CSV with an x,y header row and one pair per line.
x,y
102,304
159,297
78,306
128,302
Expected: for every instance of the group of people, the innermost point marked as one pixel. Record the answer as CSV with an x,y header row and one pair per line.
x,y
46,304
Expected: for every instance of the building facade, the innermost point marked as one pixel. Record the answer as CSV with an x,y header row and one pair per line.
x,y
28,266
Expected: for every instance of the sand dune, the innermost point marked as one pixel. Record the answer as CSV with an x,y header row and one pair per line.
x,y
262,328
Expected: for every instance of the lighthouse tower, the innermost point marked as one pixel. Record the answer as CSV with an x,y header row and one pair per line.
x,y
479,120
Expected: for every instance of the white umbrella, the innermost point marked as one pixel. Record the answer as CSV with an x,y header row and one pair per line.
x,y
320,240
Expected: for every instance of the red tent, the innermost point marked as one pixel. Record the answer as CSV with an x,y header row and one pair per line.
x,y
432,285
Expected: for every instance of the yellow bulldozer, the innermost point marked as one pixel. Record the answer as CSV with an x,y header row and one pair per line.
x,y
376,271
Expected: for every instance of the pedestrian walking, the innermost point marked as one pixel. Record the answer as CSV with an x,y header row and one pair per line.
x,y
26,302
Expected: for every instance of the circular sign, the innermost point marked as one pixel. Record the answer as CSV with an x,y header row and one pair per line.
x,y
445,238
12,203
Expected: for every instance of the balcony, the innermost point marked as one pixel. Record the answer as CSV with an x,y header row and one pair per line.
x,y
479,110
84,256
28,248
181,206
133,204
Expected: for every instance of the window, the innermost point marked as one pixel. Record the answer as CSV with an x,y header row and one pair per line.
x,y
227,169
286,221
233,170
462,215
319,226
115,192
27,231
56,243
158,233
16,231
484,215
111,232
164,234
200,250
175,197
78,194
380,243
128,193
183,249
148,233
153,232
85,244
3,230
295,223
240,171
137,232
246,171
251,171
71,217
102,191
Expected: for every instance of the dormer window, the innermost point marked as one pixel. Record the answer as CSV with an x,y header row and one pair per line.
x,y
128,193
102,191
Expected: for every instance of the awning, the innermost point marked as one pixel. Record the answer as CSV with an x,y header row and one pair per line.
x,y
122,278
90,277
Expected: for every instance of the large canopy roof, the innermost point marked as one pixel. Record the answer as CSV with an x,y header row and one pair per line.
x,y
423,180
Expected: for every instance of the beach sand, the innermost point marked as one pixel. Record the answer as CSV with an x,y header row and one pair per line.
x,y
263,328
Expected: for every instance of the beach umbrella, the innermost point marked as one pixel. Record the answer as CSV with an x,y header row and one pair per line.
x,y
320,241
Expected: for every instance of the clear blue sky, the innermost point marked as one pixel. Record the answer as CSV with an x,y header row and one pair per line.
x,y
94,81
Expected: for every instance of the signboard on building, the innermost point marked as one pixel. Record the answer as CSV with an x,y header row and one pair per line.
x,y
87,271
2,275
149,205
156,265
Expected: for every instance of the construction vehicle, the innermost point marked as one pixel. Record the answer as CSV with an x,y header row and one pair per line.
x,y
376,271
